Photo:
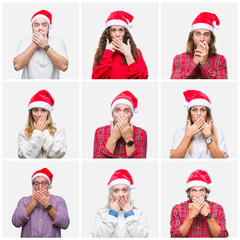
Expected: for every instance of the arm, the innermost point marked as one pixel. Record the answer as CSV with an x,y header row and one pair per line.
x,y
182,148
55,147
215,150
138,69
220,72
104,226
179,73
30,148
22,59
103,70
175,223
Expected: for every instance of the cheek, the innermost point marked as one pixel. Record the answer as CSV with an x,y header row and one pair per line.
x,y
114,196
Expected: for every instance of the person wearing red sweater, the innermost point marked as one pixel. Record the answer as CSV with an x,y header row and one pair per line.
x,y
117,56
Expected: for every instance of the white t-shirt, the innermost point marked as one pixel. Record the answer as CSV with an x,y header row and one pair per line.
x,y
40,65
199,144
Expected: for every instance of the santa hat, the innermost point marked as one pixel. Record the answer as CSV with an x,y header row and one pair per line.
x,y
206,20
199,178
121,176
43,14
42,99
194,98
43,173
127,98
119,18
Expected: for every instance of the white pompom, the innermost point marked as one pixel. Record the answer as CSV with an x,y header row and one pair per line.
x,y
130,25
136,110
185,104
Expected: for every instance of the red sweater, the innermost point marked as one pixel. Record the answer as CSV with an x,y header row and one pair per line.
x,y
111,67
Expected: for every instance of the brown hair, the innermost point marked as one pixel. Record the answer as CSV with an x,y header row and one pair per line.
x,y
190,45
30,125
103,42
213,130
206,196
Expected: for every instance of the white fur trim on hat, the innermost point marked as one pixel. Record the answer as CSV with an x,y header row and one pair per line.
x,y
202,26
116,22
120,181
123,101
42,175
40,104
41,16
198,184
198,102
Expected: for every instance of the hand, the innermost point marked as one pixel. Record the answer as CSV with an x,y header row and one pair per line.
x,y
114,205
119,45
205,209
115,131
43,197
41,123
207,128
33,201
124,204
110,46
195,128
40,38
126,129
201,52
195,207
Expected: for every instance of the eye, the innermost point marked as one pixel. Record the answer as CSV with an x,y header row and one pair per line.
x,y
125,190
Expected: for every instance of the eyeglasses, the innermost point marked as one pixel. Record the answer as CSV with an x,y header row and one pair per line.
x,y
199,34
195,110
36,184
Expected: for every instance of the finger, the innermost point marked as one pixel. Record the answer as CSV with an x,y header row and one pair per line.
x,y
188,123
111,124
107,41
132,204
132,126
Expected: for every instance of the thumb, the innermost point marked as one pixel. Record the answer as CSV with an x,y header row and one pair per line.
x,y
128,42
132,204
111,123
188,123
132,125
107,41
210,123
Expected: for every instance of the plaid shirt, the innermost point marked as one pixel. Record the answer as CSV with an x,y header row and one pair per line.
x,y
199,226
184,67
103,133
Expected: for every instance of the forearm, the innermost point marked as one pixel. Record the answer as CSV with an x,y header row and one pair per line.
x,y
58,61
52,213
215,150
185,227
129,58
214,227
181,150
29,208
22,59
179,73
129,150
111,144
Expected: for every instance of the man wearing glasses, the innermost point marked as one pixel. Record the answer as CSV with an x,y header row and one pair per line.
x,y
201,59
41,214
41,56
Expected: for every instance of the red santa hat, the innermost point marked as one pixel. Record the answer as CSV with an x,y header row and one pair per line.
x,y
43,14
42,99
127,98
119,18
206,20
43,173
121,176
194,98
199,178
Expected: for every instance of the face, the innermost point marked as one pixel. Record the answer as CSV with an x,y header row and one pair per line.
x,y
38,112
122,110
39,183
198,111
197,192
120,190
200,36
40,24
117,32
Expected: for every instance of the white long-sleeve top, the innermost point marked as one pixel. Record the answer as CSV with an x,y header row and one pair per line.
x,y
42,144
108,226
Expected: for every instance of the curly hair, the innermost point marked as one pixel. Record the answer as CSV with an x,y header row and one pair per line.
x,y
103,42
190,45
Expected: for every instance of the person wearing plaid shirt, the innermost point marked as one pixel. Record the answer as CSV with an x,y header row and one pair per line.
x,y
121,139
198,217
200,59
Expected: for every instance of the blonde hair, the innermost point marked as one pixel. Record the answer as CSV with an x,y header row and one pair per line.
x,y
213,130
190,45
30,125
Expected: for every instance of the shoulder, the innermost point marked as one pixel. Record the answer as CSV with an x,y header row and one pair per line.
x,y
219,132
138,211
103,129
181,55
214,206
139,130
59,128
180,206
25,200
219,56
102,211
56,199
180,131
25,41
55,40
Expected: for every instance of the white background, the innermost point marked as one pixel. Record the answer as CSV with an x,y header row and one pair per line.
x,y
222,95
18,184
144,31
16,97
96,111
174,175
176,24
17,26
95,190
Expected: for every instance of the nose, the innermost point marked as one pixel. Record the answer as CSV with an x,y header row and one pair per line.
x,y
201,37
118,34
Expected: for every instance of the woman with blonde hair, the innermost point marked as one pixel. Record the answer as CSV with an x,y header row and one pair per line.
x,y
117,56
120,218
40,137
200,138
